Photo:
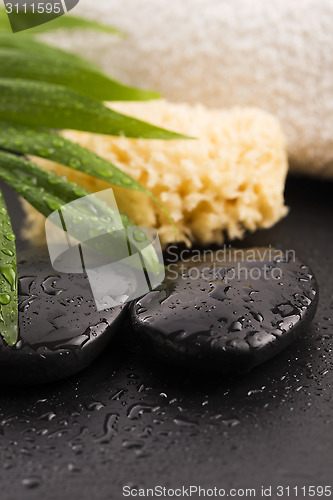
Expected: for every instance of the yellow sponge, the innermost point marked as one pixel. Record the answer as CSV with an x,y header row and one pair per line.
x,y
228,180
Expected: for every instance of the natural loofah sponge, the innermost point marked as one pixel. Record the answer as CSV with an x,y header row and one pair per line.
x,y
277,56
228,180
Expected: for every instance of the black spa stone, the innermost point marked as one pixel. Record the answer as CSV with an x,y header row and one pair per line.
x,y
230,313
60,329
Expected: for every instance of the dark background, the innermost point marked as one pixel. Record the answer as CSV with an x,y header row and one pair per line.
x,y
130,420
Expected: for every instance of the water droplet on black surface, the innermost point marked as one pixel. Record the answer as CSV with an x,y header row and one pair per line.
x,y
60,329
136,411
236,316
49,285
31,482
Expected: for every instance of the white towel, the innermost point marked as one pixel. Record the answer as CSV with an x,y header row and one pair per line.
x,y
274,55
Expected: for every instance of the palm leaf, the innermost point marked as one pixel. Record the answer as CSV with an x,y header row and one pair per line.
x,y
52,147
43,190
86,81
47,192
39,104
8,281
32,46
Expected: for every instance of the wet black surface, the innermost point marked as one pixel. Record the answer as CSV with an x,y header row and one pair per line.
x,y
60,330
130,420
228,312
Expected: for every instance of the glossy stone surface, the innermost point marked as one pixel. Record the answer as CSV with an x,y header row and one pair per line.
x,y
229,313
60,330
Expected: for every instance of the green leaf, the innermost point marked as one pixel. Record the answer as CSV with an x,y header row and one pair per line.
x,y
48,192
86,81
4,21
48,145
38,104
8,278
32,46
44,190
25,20
53,147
